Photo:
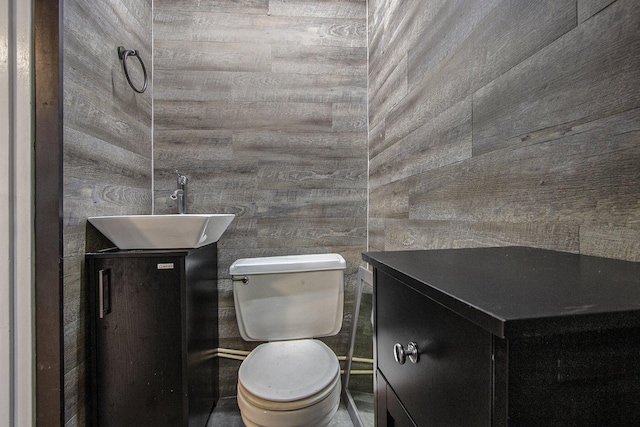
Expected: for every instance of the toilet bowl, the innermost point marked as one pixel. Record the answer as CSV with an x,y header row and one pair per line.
x,y
292,380
288,384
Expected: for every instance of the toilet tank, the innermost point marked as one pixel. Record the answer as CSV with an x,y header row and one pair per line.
x,y
288,297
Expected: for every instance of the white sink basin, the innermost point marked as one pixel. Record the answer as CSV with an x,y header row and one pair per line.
x,y
162,231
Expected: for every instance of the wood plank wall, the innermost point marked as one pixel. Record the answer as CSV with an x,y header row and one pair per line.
x,y
107,155
505,122
262,104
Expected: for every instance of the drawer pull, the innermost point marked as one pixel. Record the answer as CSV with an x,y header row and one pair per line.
x,y
400,354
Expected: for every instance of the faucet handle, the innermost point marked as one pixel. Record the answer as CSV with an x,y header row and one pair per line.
x,y
182,180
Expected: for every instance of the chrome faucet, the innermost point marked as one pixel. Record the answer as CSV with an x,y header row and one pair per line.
x,y
180,194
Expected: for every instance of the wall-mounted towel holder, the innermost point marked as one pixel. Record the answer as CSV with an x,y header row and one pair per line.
x,y
123,54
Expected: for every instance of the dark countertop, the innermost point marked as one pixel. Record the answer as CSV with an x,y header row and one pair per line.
x,y
520,291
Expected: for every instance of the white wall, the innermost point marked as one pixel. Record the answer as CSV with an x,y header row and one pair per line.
x,y
16,215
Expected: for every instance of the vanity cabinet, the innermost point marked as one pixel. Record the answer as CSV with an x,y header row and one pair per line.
x,y
153,323
505,336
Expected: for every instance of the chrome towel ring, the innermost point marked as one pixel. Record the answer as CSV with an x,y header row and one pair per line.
x,y
123,54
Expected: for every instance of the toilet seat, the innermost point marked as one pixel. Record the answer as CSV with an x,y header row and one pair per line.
x,y
291,405
288,371
289,383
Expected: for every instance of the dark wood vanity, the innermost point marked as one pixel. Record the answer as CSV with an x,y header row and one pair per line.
x,y
153,322
505,336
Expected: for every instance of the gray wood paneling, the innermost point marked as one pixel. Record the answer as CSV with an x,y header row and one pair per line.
x,y
107,155
390,201
300,203
309,60
425,234
265,111
393,29
311,232
349,117
391,91
579,181
375,233
377,138
258,87
444,140
450,23
98,160
319,174
519,125
218,6
588,8
298,146
176,56
212,85
181,147
257,116
564,84
321,9
508,35
611,242
252,28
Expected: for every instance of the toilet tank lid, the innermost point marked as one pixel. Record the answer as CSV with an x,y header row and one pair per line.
x,y
287,264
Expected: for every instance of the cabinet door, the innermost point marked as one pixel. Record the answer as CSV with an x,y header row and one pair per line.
x,y
389,410
138,342
450,385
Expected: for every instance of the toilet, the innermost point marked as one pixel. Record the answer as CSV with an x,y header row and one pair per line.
x,y
292,379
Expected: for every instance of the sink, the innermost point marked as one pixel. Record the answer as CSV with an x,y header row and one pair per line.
x,y
162,231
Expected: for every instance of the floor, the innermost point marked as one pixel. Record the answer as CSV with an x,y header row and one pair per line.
x,y
364,403
227,413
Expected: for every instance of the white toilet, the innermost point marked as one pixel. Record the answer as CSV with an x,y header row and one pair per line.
x,y
292,380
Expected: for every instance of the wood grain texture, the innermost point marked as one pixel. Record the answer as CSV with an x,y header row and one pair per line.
x,y
321,174
349,117
588,8
377,139
450,23
109,123
242,115
179,55
390,201
375,233
444,140
425,234
322,9
311,232
393,30
218,6
251,28
180,147
211,85
293,146
610,242
309,60
300,203
99,160
578,181
391,91
529,97
205,85
107,154
265,111
507,36
547,153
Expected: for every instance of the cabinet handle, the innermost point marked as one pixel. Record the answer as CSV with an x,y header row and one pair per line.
x,y
104,293
101,294
400,354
